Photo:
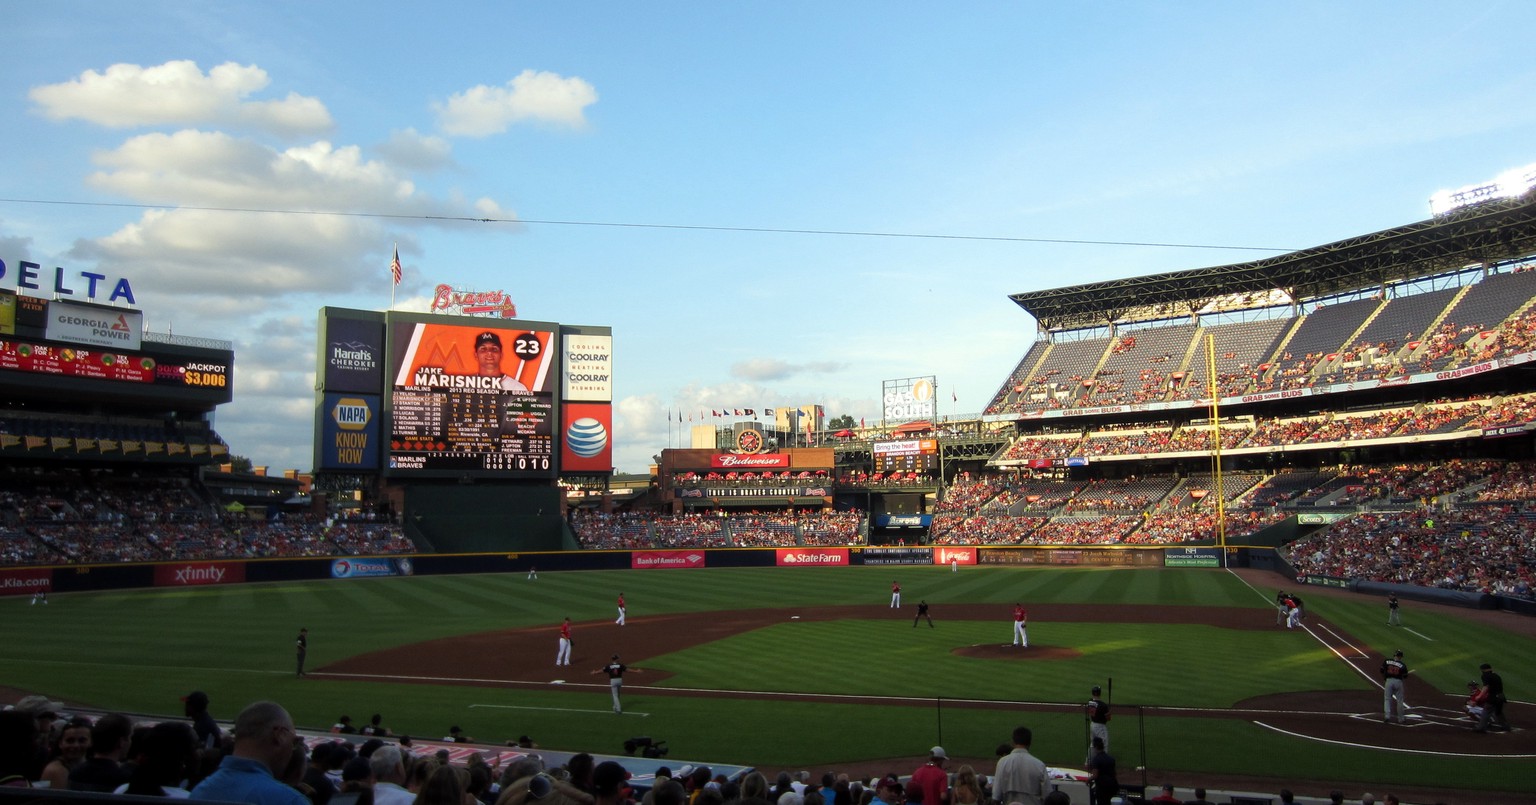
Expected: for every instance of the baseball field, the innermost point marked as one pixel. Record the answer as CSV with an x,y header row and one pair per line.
x,y
811,668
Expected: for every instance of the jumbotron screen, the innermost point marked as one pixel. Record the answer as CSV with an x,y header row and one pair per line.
x,y
911,455
472,399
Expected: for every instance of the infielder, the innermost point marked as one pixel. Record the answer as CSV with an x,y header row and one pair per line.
x,y
1393,671
620,621
563,656
1020,621
895,595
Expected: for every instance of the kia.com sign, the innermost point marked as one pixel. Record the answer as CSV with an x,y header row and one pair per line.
x,y
26,582
190,574
803,557
943,555
653,559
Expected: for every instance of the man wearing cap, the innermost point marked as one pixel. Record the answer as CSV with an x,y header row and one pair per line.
x,y
1393,672
1493,708
932,778
615,671
608,783
208,735
301,646
1098,719
488,358
264,739
563,654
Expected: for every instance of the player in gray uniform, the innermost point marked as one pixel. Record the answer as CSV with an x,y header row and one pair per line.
x,y
1394,673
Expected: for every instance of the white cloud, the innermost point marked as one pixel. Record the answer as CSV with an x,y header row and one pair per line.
x,y
411,150
763,369
532,96
178,93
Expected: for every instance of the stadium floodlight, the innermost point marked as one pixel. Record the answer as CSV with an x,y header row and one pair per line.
x,y
1509,184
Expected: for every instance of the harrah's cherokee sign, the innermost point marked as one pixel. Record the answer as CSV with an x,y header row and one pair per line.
x,y
733,461
815,557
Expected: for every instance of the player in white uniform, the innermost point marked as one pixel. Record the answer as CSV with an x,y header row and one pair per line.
x,y
1020,621
895,595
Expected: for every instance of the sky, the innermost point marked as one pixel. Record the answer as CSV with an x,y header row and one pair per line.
x,y
770,203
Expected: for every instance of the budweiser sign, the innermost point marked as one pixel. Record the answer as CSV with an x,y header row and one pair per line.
x,y
736,461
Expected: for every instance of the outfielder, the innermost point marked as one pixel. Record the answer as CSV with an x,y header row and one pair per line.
x,y
563,655
1020,621
895,595
620,621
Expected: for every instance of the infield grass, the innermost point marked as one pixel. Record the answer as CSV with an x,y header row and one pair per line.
x,y
139,651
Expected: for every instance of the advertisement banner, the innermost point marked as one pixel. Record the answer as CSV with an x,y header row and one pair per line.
x,y
909,399
734,461
100,327
944,555
588,442
651,559
197,574
1192,557
896,556
903,520
7,313
588,373
370,568
349,432
353,355
806,557
26,582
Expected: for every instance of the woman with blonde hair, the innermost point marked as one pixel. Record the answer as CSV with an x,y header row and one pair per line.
x,y
967,789
443,787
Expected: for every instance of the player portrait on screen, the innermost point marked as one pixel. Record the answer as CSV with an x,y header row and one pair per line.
x,y
488,358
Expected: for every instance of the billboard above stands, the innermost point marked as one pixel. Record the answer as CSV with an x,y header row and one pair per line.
x,y
349,432
587,438
170,374
903,520
1192,557
909,399
588,372
738,461
95,326
351,351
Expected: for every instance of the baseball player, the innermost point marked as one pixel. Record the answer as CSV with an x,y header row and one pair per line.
x,y
615,671
620,621
563,656
1393,619
1020,621
895,595
1098,720
533,573
1281,610
1292,613
922,612
1394,672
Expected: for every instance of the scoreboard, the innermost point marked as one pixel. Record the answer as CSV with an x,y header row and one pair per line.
x,y
910,455
475,399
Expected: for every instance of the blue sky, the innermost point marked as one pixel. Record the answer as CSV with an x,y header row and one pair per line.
x,y
1263,126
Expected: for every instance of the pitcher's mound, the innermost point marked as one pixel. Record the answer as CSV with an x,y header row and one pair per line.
x,y
997,651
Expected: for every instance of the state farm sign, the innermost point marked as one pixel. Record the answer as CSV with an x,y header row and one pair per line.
x,y
733,461
651,559
802,557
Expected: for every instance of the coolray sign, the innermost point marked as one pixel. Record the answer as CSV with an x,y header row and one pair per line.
x,y
652,559
87,286
366,568
944,555
26,582
588,372
909,399
100,327
803,557
197,574
733,461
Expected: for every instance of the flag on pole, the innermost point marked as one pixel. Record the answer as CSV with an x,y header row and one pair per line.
x,y
394,266
952,397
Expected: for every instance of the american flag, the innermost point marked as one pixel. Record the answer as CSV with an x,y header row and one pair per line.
x,y
394,266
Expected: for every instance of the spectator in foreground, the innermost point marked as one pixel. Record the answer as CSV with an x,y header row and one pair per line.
x,y
263,748
163,761
102,770
66,752
1020,777
389,777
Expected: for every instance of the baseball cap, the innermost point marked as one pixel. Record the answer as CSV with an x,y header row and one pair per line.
x,y
1096,690
539,786
938,751
487,337
608,776
615,656
1397,653
196,698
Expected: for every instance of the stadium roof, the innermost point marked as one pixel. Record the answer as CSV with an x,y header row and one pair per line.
x,y
1488,232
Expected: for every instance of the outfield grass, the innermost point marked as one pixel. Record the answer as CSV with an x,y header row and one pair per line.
x,y
140,650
